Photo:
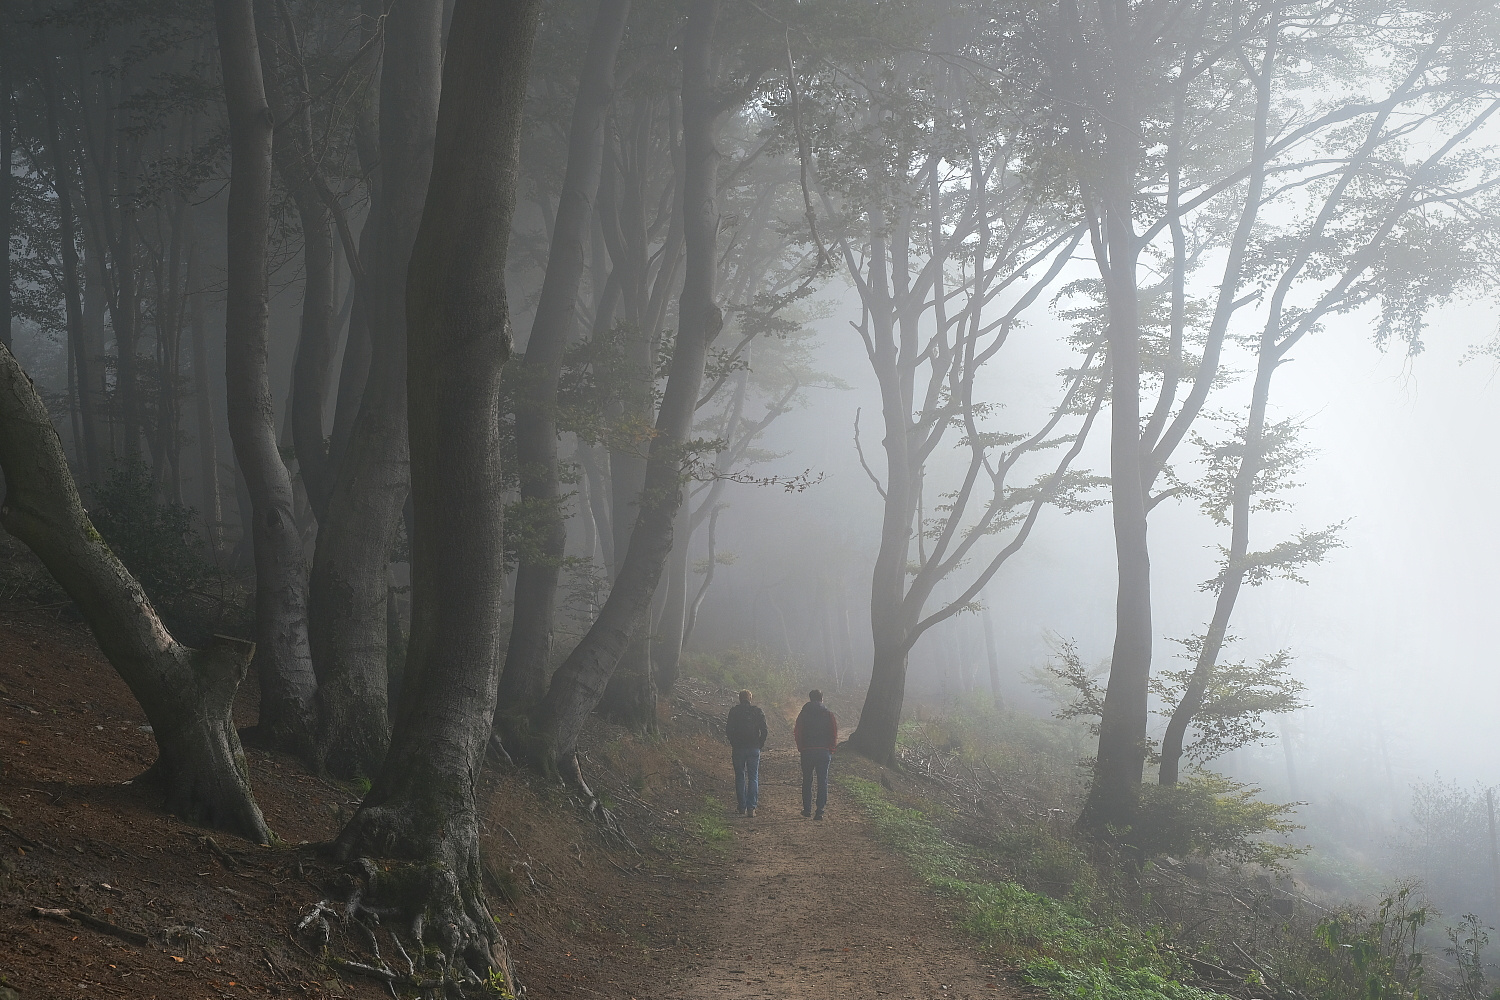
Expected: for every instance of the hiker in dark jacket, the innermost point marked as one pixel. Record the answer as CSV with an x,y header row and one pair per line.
x,y
747,733
817,736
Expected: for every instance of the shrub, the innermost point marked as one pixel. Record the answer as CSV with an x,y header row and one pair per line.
x,y
1212,815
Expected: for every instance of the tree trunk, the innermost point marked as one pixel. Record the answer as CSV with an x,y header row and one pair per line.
x,y
283,664
629,698
7,144
294,159
1121,762
88,448
880,717
992,656
354,544
671,630
524,679
580,682
186,693
422,813
208,449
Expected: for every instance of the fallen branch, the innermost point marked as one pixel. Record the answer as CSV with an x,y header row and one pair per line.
x,y
89,920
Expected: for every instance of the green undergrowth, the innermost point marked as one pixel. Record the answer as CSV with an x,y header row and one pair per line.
x,y
1061,945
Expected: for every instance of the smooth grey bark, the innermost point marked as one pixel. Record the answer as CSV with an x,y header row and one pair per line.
x,y
671,630
283,662
187,694
524,679
211,509
294,158
372,481
421,813
992,657
580,682
79,355
1121,759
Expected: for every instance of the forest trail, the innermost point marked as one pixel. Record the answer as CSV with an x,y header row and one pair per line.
x,y
823,909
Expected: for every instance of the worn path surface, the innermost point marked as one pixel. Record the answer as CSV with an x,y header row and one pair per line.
x,y
822,909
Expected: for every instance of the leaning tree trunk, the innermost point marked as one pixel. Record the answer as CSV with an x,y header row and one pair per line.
x,y
422,814
671,630
524,679
1234,565
580,682
354,543
186,693
283,663
1121,761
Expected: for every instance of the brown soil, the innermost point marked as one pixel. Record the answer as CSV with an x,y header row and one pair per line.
x,y
700,903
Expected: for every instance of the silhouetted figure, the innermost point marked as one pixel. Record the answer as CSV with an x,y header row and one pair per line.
x,y
817,736
747,733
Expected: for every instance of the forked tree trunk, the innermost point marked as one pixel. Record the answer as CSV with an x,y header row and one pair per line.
x,y
354,543
294,158
581,680
283,662
524,679
421,814
186,693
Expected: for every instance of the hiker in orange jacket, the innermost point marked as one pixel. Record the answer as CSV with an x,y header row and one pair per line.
x,y
817,736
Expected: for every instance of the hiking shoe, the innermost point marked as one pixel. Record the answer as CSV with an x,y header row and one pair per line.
x,y
750,813
816,815
740,811
805,814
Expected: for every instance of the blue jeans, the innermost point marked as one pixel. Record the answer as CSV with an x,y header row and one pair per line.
x,y
747,776
815,762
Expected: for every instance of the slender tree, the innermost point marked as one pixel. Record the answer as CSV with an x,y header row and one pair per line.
x,y
528,656
579,683
283,663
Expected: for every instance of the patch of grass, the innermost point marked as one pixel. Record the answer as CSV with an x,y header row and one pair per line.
x,y
1060,944
710,822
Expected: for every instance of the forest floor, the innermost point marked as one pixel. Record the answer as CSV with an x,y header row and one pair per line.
x,y
694,903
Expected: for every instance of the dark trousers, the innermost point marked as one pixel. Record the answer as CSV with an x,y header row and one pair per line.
x,y
747,776
815,762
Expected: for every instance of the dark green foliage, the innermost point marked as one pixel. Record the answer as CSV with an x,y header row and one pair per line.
x,y
154,539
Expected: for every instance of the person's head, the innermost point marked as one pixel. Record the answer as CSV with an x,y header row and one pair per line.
x,y
745,697
815,695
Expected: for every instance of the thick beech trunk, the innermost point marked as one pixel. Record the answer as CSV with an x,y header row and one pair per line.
x,y
580,682
283,662
524,679
422,814
186,693
369,493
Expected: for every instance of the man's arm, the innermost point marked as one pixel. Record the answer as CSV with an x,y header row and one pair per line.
x,y
797,733
764,732
833,726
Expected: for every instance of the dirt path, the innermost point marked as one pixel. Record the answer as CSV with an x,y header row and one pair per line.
x,y
821,909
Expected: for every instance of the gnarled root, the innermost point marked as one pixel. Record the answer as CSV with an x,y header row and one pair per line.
x,y
433,911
